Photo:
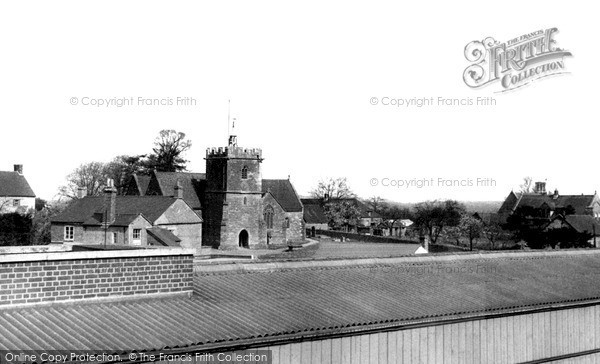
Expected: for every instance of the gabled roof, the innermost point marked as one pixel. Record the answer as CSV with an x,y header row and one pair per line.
x,y
164,236
142,182
13,184
317,300
580,203
163,184
581,223
90,209
283,191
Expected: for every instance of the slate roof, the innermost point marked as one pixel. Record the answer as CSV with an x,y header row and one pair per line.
x,y
283,191
90,208
579,202
242,306
313,212
581,223
13,184
142,183
191,183
164,236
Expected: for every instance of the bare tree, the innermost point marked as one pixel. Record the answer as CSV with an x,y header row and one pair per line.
x,y
332,189
527,185
91,176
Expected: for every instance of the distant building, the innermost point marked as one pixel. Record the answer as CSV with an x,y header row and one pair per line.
x,y
545,206
314,215
15,193
582,224
130,220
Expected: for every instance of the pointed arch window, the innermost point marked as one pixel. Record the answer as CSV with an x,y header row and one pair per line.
x,y
244,172
268,216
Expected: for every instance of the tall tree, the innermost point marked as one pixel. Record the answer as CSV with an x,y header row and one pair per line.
x,y
121,168
332,189
168,150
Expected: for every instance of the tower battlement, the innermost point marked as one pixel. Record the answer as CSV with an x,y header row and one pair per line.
x,y
234,152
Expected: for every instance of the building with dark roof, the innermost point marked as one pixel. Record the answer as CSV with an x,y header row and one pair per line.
x,y
127,220
314,215
518,307
545,206
15,193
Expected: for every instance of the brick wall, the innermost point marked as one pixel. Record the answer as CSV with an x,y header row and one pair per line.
x,y
50,277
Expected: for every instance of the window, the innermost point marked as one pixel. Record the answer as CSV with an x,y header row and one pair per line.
x,y
245,172
137,236
286,223
16,202
245,201
268,216
69,234
115,238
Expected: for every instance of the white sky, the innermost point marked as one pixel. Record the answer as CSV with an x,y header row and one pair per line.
x,y
300,77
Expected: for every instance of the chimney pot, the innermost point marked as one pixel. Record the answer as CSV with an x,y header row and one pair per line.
x,y
18,168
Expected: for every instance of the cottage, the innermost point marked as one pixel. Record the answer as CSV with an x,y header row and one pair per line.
x,y
15,193
129,220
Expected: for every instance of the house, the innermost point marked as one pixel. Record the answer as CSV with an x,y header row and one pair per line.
x,y
543,206
581,224
398,227
368,221
238,207
129,220
314,216
15,193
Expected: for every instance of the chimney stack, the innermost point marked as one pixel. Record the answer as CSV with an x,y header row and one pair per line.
x,y
178,190
19,168
555,195
81,192
540,188
110,197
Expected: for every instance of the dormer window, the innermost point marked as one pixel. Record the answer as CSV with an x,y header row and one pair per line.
x,y
245,172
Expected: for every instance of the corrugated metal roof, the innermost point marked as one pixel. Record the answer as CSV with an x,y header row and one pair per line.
x,y
257,305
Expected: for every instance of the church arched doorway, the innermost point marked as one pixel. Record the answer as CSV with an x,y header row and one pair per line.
x,y
243,239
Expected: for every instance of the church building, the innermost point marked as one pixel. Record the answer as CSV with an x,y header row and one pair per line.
x,y
240,209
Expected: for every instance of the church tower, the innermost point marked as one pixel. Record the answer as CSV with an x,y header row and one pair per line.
x,y
232,206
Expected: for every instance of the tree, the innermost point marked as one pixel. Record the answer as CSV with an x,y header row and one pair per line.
x,y
492,232
121,168
341,214
91,176
168,150
332,189
376,204
471,228
434,216
527,184
15,229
